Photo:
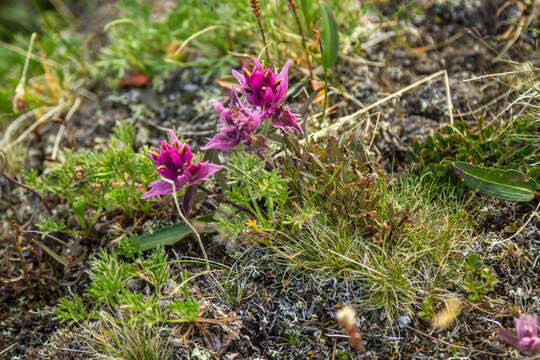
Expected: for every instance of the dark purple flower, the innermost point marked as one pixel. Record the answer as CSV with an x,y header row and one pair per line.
x,y
527,339
261,86
284,119
237,124
174,164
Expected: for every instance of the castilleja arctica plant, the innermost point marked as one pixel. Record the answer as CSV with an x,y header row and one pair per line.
x,y
526,338
265,91
237,124
174,164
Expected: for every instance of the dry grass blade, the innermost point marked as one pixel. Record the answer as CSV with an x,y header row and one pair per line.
x,y
346,120
49,251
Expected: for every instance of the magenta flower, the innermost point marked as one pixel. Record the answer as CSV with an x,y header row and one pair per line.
x,y
284,119
174,164
237,124
261,86
527,339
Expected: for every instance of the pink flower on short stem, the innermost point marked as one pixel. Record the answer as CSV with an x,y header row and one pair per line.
x,y
526,339
174,164
262,86
237,124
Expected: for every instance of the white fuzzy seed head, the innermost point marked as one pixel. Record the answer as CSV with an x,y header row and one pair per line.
x,y
346,317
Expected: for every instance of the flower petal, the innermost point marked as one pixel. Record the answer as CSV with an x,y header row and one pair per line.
x,y
158,187
283,86
235,99
218,105
257,64
202,171
284,119
221,141
526,325
509,338
241,79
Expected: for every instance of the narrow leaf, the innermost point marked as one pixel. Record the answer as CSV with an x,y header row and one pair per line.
x,y
56,257
170,235
329,38
509,185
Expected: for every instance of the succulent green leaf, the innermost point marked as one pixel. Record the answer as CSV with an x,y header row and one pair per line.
x,y
170,235
329,37
509,185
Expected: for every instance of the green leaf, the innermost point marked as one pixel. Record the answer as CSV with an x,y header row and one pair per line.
x,y
509,185
329,38
170,235
309,10
185,310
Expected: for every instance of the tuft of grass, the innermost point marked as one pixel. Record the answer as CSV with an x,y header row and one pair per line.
x,y
149,39
397,240
108,292
117,340
409,259
127,304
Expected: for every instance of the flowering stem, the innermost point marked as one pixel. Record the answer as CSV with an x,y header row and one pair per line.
x,y
191,227
15,182
256,8
226,201
292,5
325,95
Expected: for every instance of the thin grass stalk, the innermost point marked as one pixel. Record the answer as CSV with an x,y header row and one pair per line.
x,y
292,5
256,9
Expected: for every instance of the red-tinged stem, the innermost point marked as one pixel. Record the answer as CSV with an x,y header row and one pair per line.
x,y
256,9
15,182
292,5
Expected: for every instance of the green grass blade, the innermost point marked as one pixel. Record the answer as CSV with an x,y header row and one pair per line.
x,y
509,185
329,38
170,235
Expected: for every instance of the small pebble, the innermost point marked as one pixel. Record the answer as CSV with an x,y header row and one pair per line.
x,y
403,321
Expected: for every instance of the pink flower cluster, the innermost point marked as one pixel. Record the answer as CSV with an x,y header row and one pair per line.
x,y
265,91
526,338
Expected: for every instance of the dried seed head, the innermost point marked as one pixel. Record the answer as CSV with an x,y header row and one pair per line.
x,y
292,4
346,317
255,8
355,339
444,318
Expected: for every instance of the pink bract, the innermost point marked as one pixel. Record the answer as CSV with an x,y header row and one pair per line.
x,y
173,162
262,86
237,124
526,339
